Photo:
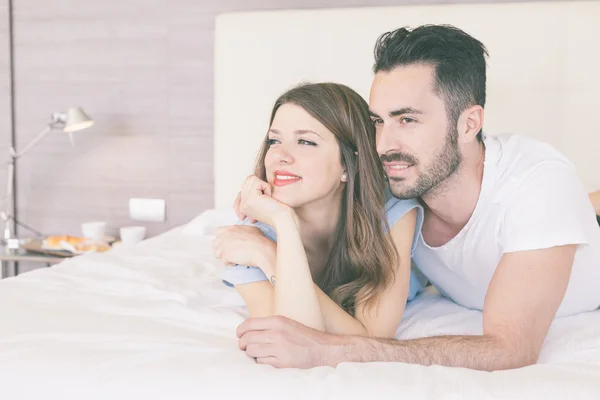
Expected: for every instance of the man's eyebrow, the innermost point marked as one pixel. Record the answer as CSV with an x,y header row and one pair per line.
x,y
405,110
400,111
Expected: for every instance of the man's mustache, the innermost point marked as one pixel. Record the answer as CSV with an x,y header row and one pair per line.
x,y
398,157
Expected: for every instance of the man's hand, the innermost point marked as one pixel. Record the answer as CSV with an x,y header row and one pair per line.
x,y
284,343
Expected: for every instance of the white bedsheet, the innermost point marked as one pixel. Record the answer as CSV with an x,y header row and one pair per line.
x,y
153,321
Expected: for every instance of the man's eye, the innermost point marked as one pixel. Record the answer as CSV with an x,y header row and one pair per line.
x,y
306,142
406,120
377,121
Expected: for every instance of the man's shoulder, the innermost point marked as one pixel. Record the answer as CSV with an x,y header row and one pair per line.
x,y
528,170
519,156
520,152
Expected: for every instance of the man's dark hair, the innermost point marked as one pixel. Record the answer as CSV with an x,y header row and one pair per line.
x,y
458,60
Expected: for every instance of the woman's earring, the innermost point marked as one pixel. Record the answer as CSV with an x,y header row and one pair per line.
x,y
344,177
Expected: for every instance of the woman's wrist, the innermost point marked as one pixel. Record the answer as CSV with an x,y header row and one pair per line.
x,y
285,219
268,258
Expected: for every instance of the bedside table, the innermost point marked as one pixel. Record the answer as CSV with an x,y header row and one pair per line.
x,y
10,256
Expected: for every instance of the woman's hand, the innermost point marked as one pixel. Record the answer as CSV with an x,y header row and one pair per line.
x,y
256,202
244,245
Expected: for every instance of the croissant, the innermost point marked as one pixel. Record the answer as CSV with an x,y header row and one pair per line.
x,y
54,241
97,247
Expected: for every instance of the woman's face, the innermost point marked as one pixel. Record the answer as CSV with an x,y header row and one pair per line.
x,y
303,162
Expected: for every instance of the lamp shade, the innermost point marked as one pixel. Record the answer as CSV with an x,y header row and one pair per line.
x,y
77,120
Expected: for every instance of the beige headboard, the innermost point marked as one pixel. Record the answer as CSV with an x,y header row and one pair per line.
x,y
543,76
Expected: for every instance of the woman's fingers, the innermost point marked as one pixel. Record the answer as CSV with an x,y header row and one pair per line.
x,y
267,189
254,185
251,189
236,207
261,187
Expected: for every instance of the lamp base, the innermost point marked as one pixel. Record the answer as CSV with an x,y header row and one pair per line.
x,y
9,240
13,243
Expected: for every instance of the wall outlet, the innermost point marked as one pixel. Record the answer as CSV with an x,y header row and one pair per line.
x,y
141,209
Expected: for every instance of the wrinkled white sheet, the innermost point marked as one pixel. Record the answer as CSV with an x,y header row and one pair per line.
x,y
153,321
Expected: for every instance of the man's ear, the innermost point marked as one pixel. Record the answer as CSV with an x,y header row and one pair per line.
x,y
470,123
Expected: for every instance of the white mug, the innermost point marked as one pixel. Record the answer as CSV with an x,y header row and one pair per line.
x,y
132,234
94,230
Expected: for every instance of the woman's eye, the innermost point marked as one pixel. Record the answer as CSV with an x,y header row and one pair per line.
x,y
271,142
306,142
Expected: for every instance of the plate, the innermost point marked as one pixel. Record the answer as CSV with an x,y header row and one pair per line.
x,y
36,246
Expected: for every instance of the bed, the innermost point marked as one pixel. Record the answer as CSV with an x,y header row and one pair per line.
x,y
154,321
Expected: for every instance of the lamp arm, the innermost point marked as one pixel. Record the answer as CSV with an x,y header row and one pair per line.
x,y
7,210
8,206
31,144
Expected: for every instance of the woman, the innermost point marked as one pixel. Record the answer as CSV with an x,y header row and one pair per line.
x,y
341,261
595,199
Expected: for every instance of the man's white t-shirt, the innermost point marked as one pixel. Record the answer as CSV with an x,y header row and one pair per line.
x,y
531,198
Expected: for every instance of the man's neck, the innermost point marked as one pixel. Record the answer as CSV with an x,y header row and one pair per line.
x,y
453,202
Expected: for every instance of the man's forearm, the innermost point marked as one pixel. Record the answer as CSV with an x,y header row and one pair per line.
x,y
475,352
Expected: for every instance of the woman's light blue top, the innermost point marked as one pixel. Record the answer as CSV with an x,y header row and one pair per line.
x,y
395,209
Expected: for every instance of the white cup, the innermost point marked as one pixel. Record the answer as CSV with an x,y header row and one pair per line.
x,y
132,234
94,230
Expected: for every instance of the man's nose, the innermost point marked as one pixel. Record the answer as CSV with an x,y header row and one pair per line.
x,y
385,140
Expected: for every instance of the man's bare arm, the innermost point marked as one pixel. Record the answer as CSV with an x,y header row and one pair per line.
x,y
475,352
522,299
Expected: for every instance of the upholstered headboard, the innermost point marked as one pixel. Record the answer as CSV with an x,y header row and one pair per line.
x,y
543,75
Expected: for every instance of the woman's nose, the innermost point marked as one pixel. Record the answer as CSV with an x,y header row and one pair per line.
x,y
282,155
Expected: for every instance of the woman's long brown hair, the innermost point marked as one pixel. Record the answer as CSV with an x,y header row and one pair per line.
x,y
362,260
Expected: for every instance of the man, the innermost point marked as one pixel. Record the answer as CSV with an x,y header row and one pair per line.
x,y
508,228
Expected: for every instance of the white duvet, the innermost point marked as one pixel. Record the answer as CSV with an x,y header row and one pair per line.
x,y
153,321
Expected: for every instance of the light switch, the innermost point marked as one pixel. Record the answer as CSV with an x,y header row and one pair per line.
x,y
142,209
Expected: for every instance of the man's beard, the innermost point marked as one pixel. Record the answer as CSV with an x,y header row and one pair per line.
x,y
443,166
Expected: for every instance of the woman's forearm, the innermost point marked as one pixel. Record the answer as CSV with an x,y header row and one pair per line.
x,y
295,295
336,319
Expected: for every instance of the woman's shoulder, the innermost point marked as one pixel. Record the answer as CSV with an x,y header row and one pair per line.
x,y
400,207
396,208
